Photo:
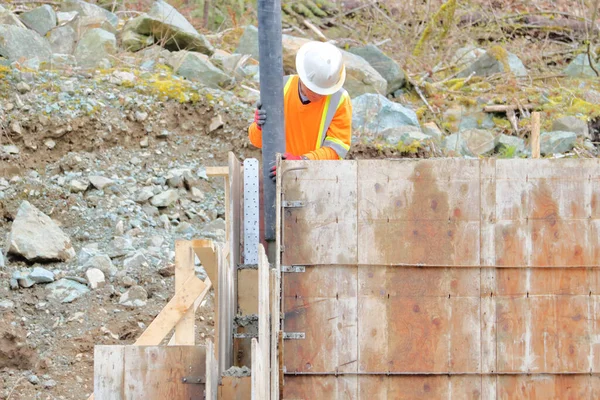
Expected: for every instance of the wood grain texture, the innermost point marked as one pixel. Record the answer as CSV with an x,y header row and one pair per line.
x,y
264,321
323,231
185,331
235,388
212,372
109,362
156,372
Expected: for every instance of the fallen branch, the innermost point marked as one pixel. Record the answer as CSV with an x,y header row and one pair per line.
x,y
316,30
507,107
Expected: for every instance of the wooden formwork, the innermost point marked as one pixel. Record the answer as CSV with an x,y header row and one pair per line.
x,y
439,279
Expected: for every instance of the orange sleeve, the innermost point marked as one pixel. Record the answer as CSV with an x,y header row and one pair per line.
x,y
339,134
255,135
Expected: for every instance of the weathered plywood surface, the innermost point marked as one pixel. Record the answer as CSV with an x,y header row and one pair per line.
x,y
577,387
324,230
320,387
424,212
148,372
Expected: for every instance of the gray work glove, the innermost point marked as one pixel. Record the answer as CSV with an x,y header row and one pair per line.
x,y
260,115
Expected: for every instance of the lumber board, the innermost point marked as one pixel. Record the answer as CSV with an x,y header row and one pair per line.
x,y
321,387
258,371
424,212
264,322
212,372
235,388
156,372
182,301
109,374
185,331
247,291
217,171
535,135
324,229
277,296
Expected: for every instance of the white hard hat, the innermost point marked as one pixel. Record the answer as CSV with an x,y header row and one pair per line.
x,y
321,67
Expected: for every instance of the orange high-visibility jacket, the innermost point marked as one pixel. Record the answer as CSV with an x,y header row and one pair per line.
x,y
320,131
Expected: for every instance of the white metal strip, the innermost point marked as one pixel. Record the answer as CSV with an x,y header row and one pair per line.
x,y
251,211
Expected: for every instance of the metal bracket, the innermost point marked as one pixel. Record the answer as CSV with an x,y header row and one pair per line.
x,y
293,268
292,204
293,335
194,380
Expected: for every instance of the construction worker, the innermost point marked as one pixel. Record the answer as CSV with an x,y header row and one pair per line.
x,y
317,110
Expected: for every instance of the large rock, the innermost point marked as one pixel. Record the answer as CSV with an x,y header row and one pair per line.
x,y
37,238
132,41
103,263
165,199
134,297
373,113
9,18
41,19
460,119
572,124
62,39
90,10
100,182
168,26
96,45
580,67
557,142
495,60
387,68
456,145
406,134
197,67
506,142
479,141
431,129
66,290
467,55
18,43
248,43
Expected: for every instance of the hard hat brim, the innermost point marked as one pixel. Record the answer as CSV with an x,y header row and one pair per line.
x,y
304,76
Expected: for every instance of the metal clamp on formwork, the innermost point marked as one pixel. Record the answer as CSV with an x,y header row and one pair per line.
x,y
293,335
194,380
293,268
292,204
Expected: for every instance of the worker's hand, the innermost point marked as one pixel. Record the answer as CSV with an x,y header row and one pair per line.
x,y
260,115
285,156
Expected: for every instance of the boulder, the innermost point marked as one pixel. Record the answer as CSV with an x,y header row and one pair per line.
x,y
479,141
90,10
77,186
9,18
495,60
248,43
431,129
66,17
374,113
457,119
103,263
62,39
572,124
165,199
59,62
18,43
119,247
95,278
95,45
384,65
41,19
557,142
132,41
506,141
135,262
136,296
168,26
456,145
37,237
406,134
467,55
66,290
197,67
580,67
41,275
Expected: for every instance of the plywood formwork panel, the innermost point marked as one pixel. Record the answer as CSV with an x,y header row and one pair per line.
x,y
321,387
324,229
324,309
424,212
538,387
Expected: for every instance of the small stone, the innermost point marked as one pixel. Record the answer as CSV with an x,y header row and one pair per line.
x,y
6,304
77,186
2,262
166,223
23,87
572,124
128,281
215,123
95,278
141,116
165,199
33,379
144,142
15,127
50,144
41,275
103,263
49,384
25,281
119,247
66,290
119,228
134,297
68,87
100,182
144,195
197,195
11,149
167,271
431,129
135,262
163,134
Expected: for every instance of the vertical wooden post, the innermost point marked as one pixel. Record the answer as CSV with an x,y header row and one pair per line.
x,y
535,135
185,331
264,329
212,372
258,361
